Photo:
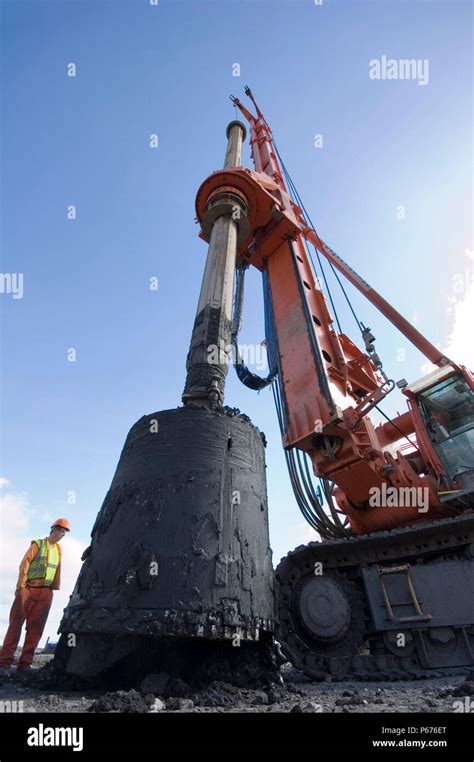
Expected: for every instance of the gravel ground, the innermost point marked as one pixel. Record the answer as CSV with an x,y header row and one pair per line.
x,y
160,693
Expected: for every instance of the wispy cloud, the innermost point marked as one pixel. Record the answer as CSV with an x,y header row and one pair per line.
x,y
460,346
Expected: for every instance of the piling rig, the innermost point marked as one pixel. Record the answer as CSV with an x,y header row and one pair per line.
x,y
180,563
389,589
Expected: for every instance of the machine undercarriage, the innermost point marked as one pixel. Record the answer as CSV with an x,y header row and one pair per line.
x,y
392,605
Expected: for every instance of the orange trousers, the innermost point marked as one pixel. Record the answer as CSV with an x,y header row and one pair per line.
x,y
31,604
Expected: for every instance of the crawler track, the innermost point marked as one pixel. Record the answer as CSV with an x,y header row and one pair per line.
x,y
348,646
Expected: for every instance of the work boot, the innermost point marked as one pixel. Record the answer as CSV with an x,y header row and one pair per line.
x,y
5,671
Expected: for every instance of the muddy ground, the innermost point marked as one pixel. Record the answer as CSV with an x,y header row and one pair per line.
x,y
296,693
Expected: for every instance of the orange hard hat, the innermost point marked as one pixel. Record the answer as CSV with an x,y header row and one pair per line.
x,y
64,523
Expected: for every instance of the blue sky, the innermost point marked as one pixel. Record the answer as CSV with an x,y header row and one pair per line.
x,y
168,69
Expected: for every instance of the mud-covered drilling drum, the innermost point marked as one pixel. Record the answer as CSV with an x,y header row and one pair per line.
x,y
180,546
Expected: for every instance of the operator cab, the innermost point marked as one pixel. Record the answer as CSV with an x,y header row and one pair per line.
x,y
446,404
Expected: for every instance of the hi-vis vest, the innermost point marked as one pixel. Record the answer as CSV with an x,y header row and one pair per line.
x,y
45,564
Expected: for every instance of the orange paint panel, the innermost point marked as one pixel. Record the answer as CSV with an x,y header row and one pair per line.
x,y
299,378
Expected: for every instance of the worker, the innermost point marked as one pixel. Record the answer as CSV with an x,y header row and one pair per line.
x,y
40,574
439,425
